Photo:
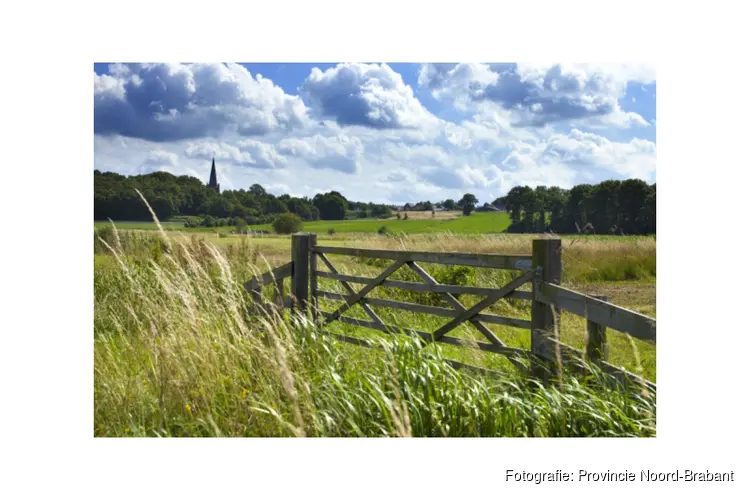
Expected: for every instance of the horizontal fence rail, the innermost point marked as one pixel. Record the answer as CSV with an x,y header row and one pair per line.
x,y
434,310
424,287
598,311
569,353
542,270
279,273
517,262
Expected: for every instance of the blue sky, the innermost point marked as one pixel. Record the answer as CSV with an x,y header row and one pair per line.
x,y
395,132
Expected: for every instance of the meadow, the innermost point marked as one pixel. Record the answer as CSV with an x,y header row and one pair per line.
x,y
418,222
177,353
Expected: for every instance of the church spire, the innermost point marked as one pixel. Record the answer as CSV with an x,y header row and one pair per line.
x,y
212,183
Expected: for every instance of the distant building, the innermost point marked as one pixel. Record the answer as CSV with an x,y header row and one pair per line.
x,y
488,208
212,180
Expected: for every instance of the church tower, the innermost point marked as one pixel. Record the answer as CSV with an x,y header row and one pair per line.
x,y
212,180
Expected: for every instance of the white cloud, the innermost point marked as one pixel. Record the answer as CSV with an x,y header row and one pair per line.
x,y
540,94
339,152
167,102
369,95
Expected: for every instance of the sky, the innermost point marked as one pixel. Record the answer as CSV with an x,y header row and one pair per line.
x,y
380,132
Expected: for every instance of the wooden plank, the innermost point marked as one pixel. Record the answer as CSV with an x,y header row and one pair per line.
x,y
458,306
383,328
281,272
353,299
425,287
425,309
570,353
313,240
496,261
485,346
597,348
482,304
509,352
598,311
349,289
547,256
301,275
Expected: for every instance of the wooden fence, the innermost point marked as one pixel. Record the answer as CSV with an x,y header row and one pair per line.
x,y
542,268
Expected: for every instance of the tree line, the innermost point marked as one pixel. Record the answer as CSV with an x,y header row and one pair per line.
x,y
610,207
171,196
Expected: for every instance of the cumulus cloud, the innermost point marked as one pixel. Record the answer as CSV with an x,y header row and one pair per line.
x,y
586,152
167,102
538,95
247,153
370,95
339,152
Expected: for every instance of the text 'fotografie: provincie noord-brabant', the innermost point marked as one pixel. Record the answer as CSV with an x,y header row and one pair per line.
x,y
686,475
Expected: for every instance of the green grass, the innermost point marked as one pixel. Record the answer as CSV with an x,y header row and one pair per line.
x,y
474,224
176,353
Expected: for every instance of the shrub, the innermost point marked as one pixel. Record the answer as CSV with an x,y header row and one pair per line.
x,y
331,231
208,221
398,215
362,213
287,223
406,216
240,224
383,230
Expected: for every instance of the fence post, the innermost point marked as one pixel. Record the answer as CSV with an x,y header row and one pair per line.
x,y
313,279
597,348
300,270
546,262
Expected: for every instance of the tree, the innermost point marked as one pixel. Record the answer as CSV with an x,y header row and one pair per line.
x,y
330,205
467,203
449,204
287,223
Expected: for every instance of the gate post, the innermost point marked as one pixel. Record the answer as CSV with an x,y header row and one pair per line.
x,y
313,279
546,262
300,271
597,348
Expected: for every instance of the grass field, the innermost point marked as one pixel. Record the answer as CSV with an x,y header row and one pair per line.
x,y
418,222
175,353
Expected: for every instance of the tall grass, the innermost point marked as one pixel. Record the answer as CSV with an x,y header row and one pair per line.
x,y
180,351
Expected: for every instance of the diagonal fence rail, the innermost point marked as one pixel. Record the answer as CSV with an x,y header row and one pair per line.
x,y
543,269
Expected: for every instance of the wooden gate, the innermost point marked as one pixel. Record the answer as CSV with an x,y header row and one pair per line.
x,y
542,268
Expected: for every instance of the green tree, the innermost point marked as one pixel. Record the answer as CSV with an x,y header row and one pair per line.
x,y
332,206
287,223
467,203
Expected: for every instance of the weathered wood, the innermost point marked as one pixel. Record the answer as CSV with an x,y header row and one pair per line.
x,y
497,261
546,256
598,311
482,304
349,289
570,353
312,241
453,301
281,272
510,352
425,336
301,274
353,299
434,310
597,348
485,346
425,287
